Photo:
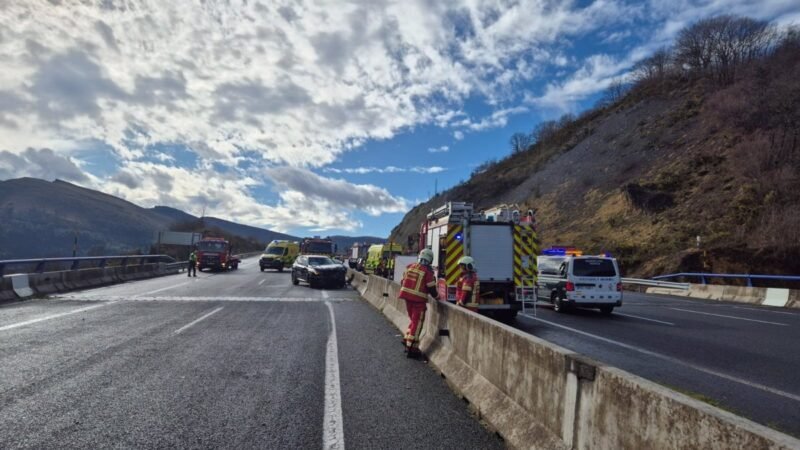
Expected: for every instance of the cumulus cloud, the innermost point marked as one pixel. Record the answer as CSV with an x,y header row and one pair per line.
x,y
340,193
248,85
40,163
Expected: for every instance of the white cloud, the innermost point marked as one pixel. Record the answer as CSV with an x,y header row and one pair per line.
x,y
283,83
442,149
40,163
338,194
387,169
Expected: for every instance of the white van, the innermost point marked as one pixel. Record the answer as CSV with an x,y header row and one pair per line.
x,y
579,281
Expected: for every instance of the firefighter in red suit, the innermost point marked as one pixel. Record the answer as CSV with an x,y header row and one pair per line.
x,y
468,286
418,282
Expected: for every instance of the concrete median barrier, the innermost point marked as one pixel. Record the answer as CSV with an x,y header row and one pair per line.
x,y
739,294
26,285
538,395
6,289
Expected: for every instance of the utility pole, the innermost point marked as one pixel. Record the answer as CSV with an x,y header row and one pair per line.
x,y
75,244
435,187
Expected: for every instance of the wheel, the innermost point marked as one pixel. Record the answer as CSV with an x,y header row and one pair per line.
x,y
262,269
280,269
607,310
558,304
295,281
312,284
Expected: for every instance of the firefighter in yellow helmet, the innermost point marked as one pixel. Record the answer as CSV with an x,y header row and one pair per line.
x,y
468,287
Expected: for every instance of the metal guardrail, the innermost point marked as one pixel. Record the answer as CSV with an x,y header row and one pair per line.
x,y
655,283
74,263
749,277
637,281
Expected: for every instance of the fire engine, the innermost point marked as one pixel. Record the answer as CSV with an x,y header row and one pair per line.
x,y
503,244
317,246
215,253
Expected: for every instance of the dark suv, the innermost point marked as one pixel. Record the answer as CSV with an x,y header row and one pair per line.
x,y
318,270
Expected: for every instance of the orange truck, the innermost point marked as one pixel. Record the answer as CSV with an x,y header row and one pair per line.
x,y
215,254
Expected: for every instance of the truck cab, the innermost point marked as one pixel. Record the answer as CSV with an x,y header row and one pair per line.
x,y
215,254
578,281
278,255
317,246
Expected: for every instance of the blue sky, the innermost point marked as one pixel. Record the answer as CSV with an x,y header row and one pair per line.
x,y
301,116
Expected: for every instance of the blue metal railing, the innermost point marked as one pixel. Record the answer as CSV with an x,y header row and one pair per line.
x,y
39,264
749,277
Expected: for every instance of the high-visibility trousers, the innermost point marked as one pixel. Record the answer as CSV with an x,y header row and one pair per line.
x,y
416,315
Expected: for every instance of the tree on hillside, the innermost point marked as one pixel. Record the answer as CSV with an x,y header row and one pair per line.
x,y
654,68
520,142
615,91
718,46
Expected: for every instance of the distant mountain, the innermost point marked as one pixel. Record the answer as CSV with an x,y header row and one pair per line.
x,y
247,231
39,218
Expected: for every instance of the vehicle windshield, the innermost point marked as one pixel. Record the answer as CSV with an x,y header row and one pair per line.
x,y
320,261
594,267
551,265
211,246
280,251
319,247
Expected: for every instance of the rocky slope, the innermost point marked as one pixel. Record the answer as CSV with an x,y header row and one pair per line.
x,y
646,175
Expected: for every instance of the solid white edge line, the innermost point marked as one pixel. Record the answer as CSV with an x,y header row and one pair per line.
x,y
674,360
197,320
332,424
325,294
731,317
644,318
54,316
162,289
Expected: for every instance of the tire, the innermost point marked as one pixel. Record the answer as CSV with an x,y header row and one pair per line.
x,y
295,281
606,310
558,304
262,269
280,269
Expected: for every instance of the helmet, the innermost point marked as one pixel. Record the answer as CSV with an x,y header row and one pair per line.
x,y
467,261
426,256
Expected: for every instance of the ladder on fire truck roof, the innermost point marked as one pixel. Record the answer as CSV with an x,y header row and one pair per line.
x,y
526,294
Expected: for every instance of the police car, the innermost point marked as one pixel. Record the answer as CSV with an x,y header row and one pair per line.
x,y
569,279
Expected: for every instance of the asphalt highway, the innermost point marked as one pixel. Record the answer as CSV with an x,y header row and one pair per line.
x,y
228,360
742,358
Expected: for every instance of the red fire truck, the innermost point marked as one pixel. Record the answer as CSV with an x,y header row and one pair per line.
x,y
503,244
215,254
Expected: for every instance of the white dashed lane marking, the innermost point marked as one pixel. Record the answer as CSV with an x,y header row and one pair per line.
x,y
53,316
201,318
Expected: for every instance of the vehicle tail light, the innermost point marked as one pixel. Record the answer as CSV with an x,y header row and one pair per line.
x,y
570,286
619,287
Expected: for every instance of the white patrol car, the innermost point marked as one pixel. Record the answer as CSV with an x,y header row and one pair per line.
x,y
570,281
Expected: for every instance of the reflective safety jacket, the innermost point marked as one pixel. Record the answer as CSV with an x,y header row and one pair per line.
x,y
418,282
193,257
468,288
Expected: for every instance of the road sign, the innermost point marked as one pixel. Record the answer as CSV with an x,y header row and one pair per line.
x,y
177,238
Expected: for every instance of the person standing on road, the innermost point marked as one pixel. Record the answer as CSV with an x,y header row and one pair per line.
x,y
390,267
192,264
468,287
418,282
